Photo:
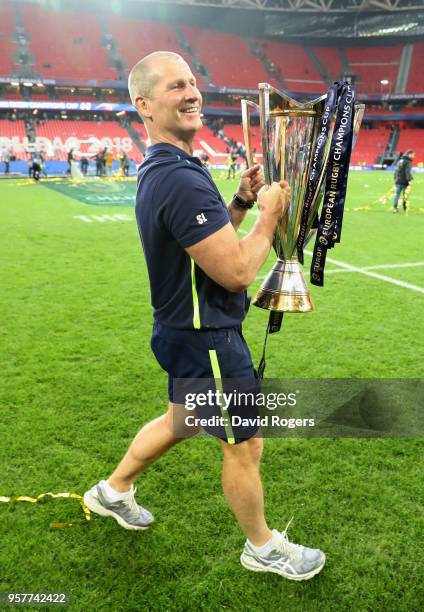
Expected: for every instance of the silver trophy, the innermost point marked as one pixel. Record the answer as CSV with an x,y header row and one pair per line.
x,y
289,132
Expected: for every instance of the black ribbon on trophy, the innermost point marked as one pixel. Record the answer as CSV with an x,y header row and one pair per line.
x,y
318,161
331,219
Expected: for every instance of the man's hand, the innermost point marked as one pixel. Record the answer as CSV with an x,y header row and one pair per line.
x,y
274,199
251,181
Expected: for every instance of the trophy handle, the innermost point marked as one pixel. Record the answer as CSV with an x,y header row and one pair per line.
x,y
264,113
247,107
359,113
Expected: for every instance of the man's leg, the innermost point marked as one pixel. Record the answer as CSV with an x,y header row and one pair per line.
x,y
242,486
397,196
151,442
405,197
264,550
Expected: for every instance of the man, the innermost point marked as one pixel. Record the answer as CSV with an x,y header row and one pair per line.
x,y
124,162
6,159
403,179
232,160
99,163
199,272
109,162
84,165
70,159
36,168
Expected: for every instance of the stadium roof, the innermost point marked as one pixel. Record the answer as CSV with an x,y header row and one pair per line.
x,y
319,6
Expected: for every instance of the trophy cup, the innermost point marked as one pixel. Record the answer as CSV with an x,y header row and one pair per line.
x,y
296,140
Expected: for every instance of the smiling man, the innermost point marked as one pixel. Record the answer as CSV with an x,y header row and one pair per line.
x,y
199,272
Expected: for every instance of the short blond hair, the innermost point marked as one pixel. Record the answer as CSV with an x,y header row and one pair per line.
x,y
144,75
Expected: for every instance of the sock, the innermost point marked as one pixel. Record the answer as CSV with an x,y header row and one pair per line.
x,y
263,550
111,494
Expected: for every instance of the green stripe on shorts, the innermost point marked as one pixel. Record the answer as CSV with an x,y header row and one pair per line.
x,y
218,383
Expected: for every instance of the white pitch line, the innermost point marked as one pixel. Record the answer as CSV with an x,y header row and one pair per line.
x,y
366,271
381,277
399,265
380,267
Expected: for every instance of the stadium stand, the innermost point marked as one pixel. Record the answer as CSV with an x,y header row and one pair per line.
x,y
370,145
137,38
228,58
373,64
7,46
416,76
66,44
297,69
56,137
206,140
13,138
412,139
330,59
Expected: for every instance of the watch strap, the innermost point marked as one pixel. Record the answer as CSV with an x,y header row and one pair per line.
x,y
240,203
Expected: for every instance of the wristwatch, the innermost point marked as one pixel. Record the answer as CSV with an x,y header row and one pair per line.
x,y
242,204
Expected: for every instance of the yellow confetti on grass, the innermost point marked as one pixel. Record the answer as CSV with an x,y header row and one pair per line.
x,y
43,497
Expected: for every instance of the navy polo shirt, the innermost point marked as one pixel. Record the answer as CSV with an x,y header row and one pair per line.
x,y
178,205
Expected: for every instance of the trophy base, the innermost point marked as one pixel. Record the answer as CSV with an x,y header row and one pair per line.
x,y
284,289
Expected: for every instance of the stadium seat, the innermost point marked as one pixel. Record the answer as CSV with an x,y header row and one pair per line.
x,y
7,46
370,145
13,138
412,139
66,44
416,79
138,37
297,69
329,58
57,137
371,65
228,57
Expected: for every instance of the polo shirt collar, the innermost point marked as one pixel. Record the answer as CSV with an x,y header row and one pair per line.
x,y
165,147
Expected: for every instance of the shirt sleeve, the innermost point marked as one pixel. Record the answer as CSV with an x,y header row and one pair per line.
x,y
191,209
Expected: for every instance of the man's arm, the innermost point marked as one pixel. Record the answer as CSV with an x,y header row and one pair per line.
x,y
234,263
408,171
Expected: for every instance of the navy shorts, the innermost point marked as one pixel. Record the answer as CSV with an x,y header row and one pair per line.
x,y
213,361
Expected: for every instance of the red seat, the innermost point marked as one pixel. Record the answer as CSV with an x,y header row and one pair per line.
x,y
66,44
13,138
412,139
7,46
57,137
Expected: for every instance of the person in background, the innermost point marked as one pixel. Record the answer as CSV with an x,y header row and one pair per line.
x,y
43,165
103,157
125,164
36,168
109,162
6,159
232,160
70,160
403,179
84,165
99,164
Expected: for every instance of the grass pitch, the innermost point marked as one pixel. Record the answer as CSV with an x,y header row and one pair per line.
x,y
78,380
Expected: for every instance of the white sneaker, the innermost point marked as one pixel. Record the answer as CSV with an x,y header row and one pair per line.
x,y
292,561
125,511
